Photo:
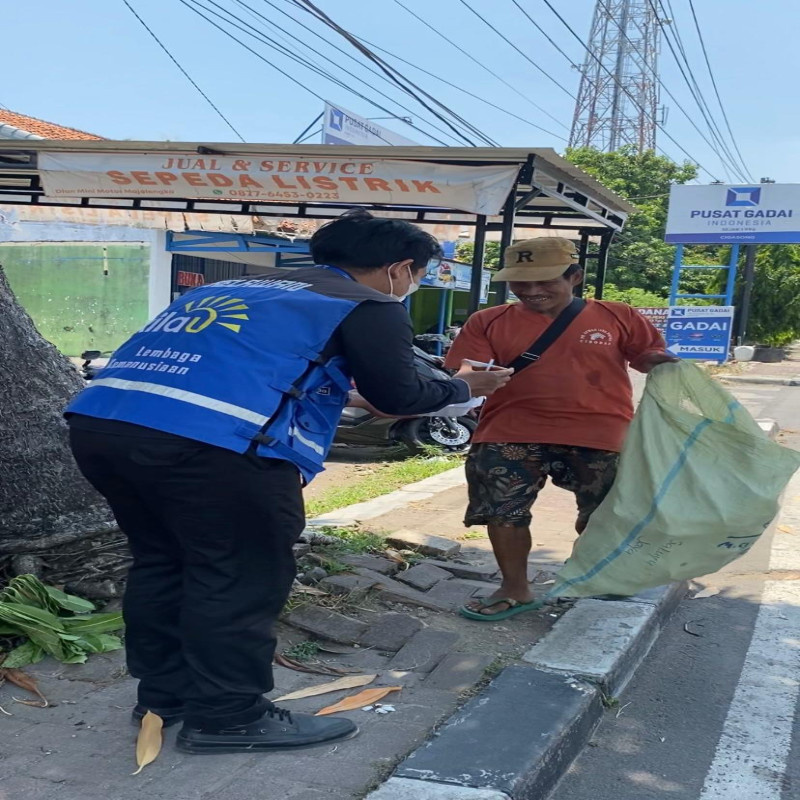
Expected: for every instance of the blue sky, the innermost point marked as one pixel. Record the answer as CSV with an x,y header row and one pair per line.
x,y
90,64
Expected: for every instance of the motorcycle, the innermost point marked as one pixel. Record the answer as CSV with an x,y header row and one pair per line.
x,y
358,426
88,370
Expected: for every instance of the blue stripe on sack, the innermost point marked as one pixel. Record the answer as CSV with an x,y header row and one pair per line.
x,y
733,407
646,520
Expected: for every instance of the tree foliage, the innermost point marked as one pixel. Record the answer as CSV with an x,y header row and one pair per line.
x,y
638,258
775,305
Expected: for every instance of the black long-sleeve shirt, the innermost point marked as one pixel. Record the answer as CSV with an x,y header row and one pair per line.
x,y
377,340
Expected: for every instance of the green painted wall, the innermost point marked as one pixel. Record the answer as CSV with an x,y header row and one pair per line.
x,y
73,303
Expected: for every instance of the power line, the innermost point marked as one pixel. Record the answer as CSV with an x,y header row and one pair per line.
x,y
265,40
472,58
726,161
412,89
465,91
516,49
296,40
731,161
633,99
697,92
716,89
183,71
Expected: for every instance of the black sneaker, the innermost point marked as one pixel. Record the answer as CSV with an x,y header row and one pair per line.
x,y
170,716
278,729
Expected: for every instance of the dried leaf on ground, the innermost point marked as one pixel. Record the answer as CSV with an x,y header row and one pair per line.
x,y
318,669
350,682
785,528
148,745
312,590
356,701
26,682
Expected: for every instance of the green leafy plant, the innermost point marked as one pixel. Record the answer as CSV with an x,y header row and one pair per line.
x,y
302,651
53,623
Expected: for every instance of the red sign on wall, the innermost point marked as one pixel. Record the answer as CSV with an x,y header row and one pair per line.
x,y
190,279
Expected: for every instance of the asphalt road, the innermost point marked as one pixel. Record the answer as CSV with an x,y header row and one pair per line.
x,y
713,713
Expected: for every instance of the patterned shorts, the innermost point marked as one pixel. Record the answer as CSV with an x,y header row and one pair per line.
x,y
505,479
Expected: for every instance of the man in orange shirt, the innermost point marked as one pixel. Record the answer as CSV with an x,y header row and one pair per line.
x,y
562,416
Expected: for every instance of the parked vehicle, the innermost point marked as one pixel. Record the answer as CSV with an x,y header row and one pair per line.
x,y
359,427
89,370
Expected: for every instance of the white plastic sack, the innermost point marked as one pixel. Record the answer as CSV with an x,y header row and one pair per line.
x,y
698,484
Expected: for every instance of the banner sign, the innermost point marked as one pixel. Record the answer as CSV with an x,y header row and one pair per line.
x,y
450,275
657,317
277,179
720,214
700,332
341,126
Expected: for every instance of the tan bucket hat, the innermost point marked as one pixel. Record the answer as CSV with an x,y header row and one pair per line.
x,y
537,259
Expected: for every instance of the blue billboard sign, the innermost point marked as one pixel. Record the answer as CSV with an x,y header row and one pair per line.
x,y
702,333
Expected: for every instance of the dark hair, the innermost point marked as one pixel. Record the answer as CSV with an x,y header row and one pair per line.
x,y
357,240
572,269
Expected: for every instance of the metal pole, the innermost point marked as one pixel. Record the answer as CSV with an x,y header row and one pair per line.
x,y
675,285
583,250
747,291
602,261
442,318
310,126
476,279
506,238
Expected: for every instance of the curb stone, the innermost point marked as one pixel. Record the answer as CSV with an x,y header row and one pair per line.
x,y
377,507
534,742
765,381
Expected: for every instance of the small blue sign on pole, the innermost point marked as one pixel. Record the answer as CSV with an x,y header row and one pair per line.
x,y
702,333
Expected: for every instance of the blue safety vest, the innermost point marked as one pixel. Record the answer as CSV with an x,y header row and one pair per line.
x,y
239,361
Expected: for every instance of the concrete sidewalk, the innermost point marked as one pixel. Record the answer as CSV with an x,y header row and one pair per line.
x,y
82,746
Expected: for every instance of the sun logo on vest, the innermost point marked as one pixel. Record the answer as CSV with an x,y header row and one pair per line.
x,y
597,336
222,310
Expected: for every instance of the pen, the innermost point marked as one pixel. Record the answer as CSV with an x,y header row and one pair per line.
x,y
489,365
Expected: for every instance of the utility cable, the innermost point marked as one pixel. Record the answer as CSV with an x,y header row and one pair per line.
x,y
716,88
183,71
412,89
624,89
296,40
517,50
472,58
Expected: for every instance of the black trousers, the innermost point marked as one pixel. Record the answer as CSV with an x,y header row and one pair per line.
x,y
211,533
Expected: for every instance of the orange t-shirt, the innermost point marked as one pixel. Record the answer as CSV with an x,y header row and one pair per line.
x,y
578,393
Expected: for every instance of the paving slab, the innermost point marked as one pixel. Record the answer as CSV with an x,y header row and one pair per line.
x,y
423,543
424,576
424,650
327,624
458,672
347,584
477,572
390,631
385,566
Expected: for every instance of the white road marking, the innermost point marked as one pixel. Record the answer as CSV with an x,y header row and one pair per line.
x,y
750,760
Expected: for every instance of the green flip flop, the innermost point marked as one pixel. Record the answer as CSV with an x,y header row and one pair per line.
x,y
515,607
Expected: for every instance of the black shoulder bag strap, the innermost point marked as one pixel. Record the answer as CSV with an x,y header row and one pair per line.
x,y
549,337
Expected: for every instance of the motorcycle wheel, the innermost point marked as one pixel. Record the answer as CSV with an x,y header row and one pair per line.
x,y
451,435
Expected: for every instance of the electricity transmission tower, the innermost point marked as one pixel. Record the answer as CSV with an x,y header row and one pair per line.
x,y
618,96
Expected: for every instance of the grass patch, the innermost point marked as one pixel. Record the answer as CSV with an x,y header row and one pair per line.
x,y
474,535
302,651
354,541
383,480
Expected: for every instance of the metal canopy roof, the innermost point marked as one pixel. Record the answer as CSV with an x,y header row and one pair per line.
x,y
550,192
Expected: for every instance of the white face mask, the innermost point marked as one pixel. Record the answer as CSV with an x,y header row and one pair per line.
x,y
412,287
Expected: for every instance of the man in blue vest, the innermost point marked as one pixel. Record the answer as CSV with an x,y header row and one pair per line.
x,y
199,433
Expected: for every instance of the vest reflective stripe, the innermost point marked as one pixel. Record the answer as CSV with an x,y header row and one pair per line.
x,y
187,397
307,442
